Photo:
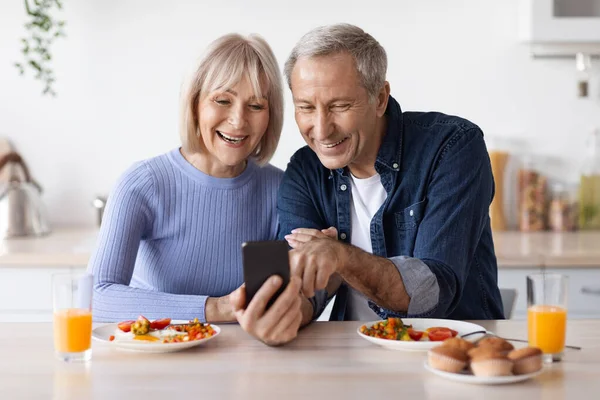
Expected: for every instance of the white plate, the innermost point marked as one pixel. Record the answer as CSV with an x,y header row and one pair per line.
x,y
466,377
104,332
420,324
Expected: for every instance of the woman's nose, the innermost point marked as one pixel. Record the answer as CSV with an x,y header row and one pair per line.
x,y
236,119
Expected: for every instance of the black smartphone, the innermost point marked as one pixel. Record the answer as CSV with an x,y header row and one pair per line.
x,y
261,261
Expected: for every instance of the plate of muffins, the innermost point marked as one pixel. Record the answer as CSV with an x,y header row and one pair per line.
x,y
490,361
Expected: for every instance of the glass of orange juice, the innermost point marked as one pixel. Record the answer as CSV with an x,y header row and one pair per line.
x,y
547,313
72,299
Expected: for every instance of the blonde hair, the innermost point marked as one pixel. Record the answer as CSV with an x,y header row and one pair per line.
x,y
226,61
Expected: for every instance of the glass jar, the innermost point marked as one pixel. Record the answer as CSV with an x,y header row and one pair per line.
x,y
562,210
499,156
532,189
589,186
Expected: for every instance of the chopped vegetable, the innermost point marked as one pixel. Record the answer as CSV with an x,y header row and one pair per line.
x,y
395,329
141,326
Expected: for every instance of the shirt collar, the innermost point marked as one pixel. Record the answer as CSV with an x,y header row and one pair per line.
x,y
390,151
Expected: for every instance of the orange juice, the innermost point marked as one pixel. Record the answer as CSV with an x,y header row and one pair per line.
x,y
72,330
546,328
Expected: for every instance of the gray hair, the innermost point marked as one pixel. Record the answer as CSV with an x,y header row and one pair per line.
x,y
226,61
369,56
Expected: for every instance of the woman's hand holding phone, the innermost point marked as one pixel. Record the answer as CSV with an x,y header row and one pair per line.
x,y
279,324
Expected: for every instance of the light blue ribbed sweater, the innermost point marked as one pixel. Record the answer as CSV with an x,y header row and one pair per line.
x,y
171,237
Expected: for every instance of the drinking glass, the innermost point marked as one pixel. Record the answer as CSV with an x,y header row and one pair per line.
x,y
72,304
547,314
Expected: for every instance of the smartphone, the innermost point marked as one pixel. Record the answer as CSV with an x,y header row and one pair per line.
x,y
262,260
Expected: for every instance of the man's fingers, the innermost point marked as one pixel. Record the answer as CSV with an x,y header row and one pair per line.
x,y
330,232
321,279
308,279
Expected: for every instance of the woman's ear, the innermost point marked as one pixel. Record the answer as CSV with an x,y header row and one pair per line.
x,y
382,99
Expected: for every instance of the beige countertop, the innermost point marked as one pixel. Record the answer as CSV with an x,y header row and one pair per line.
x,y
69,247
327,360
73,246
547,249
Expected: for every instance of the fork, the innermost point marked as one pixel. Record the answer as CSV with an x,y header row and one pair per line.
x,y
488,333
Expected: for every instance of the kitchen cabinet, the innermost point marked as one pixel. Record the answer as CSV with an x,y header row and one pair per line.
x,y
27,265
584,283
561,21
560,27
26,292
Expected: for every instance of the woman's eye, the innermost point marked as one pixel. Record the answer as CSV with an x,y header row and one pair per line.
x,y
222,102
257,107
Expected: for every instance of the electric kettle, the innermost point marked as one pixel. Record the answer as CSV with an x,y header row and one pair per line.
x,y
21,210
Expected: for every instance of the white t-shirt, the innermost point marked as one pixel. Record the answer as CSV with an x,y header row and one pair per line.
x,y
368,195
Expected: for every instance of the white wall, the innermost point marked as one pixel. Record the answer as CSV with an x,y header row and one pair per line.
x,y
120,68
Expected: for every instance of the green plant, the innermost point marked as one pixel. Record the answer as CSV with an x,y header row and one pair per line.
x,y
43,29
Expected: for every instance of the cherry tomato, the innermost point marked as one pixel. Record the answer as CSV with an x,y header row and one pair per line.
x,y
415,335
437,334
111,338
160,323
125,326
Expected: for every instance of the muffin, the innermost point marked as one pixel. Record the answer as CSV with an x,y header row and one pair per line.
x,y
491,364
526,360
458,343
496,343
447,359
482,351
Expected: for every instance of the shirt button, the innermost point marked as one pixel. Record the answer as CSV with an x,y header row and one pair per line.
x,y
343,187
342,236
395,165
411,213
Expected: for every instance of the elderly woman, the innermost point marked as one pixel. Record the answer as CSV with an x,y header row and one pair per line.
x,y
170,242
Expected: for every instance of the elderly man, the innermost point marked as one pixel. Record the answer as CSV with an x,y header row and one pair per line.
x,y
391,205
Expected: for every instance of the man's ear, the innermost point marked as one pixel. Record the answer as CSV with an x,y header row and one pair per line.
x,y
382,99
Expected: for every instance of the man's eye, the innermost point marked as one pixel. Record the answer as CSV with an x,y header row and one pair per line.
x,y
305,108
341,106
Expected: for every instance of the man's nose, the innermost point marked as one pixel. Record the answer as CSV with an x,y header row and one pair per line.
x,y
322,127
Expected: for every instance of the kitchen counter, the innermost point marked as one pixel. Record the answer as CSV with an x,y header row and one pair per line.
x,y
327,360
62,247
72,247
548,249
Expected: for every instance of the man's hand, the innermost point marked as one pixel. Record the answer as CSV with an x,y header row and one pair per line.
x,y
280,323
315,257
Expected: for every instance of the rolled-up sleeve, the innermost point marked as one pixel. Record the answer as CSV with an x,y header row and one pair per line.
x,y
420,283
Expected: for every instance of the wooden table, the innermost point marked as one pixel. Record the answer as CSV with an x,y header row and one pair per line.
x,y
328,361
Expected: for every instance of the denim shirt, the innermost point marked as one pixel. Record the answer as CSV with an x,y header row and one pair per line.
x,y
434,224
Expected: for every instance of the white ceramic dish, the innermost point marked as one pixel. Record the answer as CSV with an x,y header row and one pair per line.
x,y
421,324
104,332
466,377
